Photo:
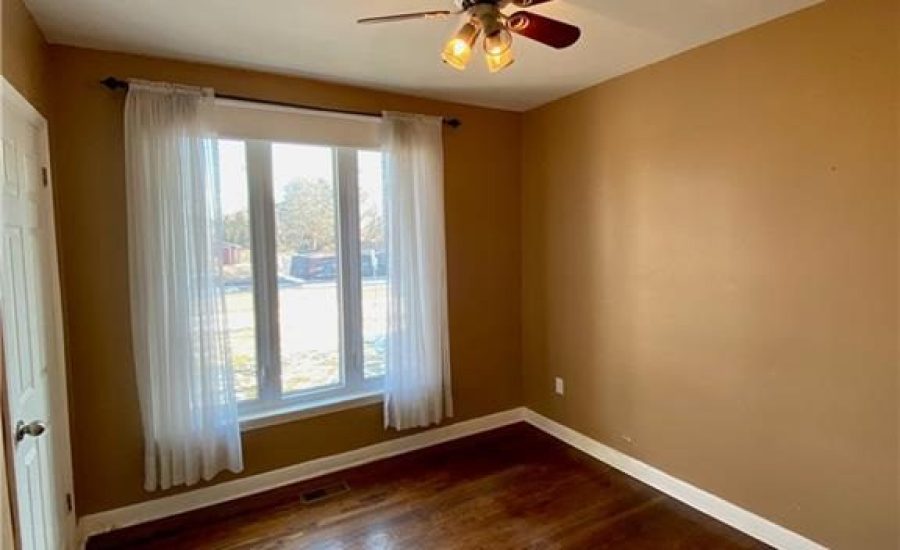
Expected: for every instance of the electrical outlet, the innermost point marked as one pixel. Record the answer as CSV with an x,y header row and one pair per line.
x,y
560,386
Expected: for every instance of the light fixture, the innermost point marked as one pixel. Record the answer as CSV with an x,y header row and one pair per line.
x,y
497,39
498,48
498,62
458,50
498,42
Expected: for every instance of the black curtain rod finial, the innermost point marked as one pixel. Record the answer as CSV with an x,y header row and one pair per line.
x,y
114,83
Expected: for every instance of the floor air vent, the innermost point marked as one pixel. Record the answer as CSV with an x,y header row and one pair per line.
x,y
324,492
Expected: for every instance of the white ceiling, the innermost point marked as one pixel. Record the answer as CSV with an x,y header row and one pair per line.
x,y
319,39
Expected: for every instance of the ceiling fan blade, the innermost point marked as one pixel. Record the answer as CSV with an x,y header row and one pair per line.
x,y
529,3
543,29
438,14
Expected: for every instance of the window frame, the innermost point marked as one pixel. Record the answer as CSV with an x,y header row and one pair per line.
x,y
353,386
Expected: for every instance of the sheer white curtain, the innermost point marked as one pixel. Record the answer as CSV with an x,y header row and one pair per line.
x,y
186,386
417,379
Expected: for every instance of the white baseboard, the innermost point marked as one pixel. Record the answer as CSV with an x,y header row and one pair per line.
x,y
230,490
724,511
711,505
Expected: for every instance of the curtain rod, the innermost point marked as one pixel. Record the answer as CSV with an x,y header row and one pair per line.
x,y
114,83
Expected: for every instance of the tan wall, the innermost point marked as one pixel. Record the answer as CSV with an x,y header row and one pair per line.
x,y
710,260
483,254
24,64
25,55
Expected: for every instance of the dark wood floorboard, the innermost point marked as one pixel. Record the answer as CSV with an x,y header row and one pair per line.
x,y
515,487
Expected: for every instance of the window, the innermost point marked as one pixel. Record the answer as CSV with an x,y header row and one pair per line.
x,y
304,260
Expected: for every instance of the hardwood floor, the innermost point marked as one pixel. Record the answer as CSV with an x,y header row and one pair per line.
x,y
510,488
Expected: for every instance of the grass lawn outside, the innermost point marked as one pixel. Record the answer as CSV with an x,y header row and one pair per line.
x,y
309,319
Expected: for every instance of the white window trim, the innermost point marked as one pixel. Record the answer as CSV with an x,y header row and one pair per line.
x,y
309,410
353,390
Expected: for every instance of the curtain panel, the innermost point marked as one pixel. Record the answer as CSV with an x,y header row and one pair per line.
x,y
417,378
181,355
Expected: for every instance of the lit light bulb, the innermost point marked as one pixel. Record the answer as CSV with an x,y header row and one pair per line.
x,y
497,42
458,50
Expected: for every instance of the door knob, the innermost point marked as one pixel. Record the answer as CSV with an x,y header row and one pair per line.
x,y
34,429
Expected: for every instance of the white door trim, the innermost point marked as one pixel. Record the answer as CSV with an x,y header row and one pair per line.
x,y
59,410
11,527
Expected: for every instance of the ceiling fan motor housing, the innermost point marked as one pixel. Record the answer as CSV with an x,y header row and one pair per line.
x,y
469,4
486,13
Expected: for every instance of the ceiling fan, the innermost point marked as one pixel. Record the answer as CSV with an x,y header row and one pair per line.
x,y
487,17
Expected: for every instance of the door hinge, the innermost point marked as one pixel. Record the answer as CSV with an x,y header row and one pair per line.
x,y
45,178
69,505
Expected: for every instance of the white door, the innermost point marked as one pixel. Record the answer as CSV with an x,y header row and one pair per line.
x,y
29,303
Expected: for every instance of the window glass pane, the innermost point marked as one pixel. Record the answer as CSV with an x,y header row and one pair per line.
x,y
306,234
374,262
237,267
